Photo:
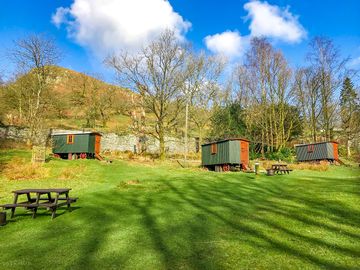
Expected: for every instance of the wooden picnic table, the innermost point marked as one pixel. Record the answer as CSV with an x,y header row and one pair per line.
x,y
39,201
280,168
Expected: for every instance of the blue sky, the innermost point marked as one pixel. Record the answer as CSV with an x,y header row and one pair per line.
x,y
87,30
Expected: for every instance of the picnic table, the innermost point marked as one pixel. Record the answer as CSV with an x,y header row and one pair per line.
x,y
41,198
280,168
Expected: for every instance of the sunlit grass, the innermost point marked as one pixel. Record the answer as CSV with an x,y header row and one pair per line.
x,y
131,216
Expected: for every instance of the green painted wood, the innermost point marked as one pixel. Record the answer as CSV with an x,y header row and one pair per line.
x,y
234,151
83,143
92,143
322,151
228,152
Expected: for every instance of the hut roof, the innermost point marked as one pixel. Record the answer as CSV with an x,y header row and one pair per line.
x,y
73,132
229,139
302,144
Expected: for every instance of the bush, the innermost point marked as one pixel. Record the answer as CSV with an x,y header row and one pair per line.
x,y
321,167
285,154
20,169
12,144
71,173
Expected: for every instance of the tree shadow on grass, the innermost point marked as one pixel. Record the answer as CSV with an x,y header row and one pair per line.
x,y
177,223
276,244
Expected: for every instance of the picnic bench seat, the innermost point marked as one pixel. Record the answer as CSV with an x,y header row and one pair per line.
x,y
278,169
283,171
48,203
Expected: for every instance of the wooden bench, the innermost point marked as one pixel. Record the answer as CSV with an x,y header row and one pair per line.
x,y
48,203
278,169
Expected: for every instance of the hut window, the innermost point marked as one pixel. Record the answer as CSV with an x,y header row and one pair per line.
x,y
213,148
311,148
70,139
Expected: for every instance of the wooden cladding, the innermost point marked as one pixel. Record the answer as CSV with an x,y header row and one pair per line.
x,y
213,148
70,139
97,144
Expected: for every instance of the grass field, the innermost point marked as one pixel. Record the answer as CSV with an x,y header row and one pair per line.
x,y
153,216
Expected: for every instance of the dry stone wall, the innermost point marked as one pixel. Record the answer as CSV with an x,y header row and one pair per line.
x,y
109,141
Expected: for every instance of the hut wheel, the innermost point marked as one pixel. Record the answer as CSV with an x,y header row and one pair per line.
x,y
226,167
83,155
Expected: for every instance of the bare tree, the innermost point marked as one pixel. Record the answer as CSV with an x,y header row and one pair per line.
x,y
263,86
200,89
307,91
2,99
157,74
324,57
34,56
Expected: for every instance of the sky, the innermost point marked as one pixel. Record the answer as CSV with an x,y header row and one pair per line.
x,y
86,31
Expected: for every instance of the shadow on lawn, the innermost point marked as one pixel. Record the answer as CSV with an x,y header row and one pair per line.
x,y
274,243
183,224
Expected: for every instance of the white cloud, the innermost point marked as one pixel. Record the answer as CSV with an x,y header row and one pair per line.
x,y
265,21
107,26
355,62
272,21
228,43
60,16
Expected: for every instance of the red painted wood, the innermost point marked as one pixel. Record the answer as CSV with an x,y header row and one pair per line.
x,y
244,153
336,151
97,144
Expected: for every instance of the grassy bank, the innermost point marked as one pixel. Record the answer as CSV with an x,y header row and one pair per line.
x,y
153,216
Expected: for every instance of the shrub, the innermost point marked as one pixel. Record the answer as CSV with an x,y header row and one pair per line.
x,y
20,169
71,173
12,144
285,154
322,166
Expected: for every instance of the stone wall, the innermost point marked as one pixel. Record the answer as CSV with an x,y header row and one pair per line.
x,y
109,141
115,142
20,134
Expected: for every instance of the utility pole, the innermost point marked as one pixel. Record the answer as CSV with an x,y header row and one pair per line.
x,y
186,123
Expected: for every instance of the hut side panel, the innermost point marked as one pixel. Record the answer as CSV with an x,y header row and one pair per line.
x,y
318,151
222,155
81,144
227,152
235,154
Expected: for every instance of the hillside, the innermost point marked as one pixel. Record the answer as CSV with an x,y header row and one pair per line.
x,y
69,83
72,96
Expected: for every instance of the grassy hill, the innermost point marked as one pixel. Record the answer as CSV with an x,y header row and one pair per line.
x,y
158,216
68,83
66,110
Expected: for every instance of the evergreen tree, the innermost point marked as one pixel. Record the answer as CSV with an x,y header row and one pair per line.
x,y
349,108
228,122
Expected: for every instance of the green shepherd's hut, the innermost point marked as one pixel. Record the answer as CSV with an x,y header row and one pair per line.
x,y
226,155
317,151
76,144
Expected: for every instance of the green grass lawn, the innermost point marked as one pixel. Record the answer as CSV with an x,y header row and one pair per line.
x,y
186,219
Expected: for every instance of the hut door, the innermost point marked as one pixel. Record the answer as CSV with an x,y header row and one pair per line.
x,y
97,144
336,153
244,153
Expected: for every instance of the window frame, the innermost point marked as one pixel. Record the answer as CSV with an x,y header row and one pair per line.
x,y
213,148
310,148
70,138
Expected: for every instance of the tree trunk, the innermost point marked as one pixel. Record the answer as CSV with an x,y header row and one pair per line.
x,y
162,146
262,144
348,150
